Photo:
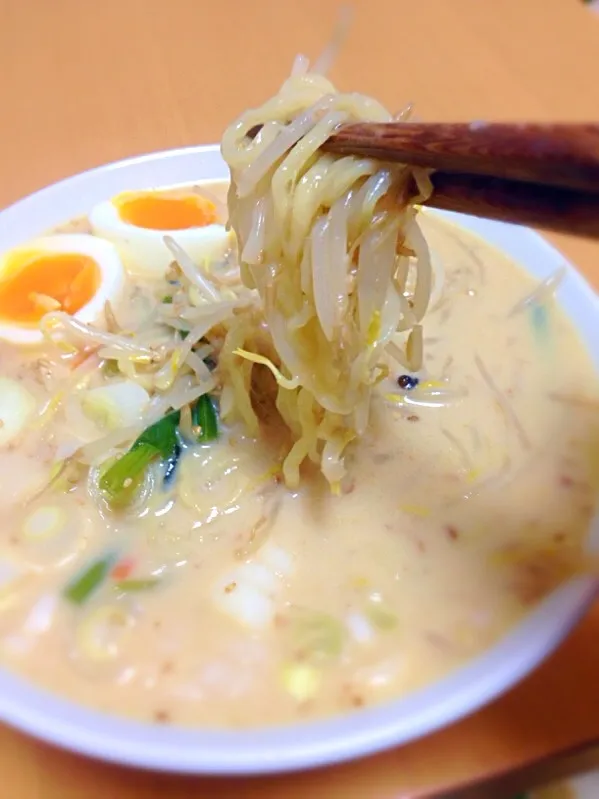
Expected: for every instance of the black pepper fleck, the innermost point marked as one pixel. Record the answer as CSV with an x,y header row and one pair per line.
x,y
407,382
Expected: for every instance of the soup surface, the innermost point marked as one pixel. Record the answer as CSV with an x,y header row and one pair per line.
x,y
223,599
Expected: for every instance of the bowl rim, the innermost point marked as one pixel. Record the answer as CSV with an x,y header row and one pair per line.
x,y
61,722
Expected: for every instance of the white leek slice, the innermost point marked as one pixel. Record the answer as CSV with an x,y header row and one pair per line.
x,y
44,522
116,405
17,405
247,594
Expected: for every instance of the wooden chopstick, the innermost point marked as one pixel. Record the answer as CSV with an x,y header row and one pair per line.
x,y
543,175
550,208
552,154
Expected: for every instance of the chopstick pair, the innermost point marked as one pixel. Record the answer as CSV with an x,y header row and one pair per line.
x,y
543,175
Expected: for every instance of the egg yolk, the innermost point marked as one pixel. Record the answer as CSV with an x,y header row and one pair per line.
x,y
33,284
162,212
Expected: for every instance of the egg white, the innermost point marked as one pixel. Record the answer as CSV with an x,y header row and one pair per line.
x,y
112,279
144,252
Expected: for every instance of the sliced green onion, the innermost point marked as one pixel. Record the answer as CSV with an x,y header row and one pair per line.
x,y
318,634
86,583
204,419
302,681
111,368
162,435
380,615
539,315
172,464
167,300
141,584
122,479
183,334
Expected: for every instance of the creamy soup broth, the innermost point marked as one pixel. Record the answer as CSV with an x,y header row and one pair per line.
x,y
262,605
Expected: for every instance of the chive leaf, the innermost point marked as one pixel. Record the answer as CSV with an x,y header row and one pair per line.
x,y
204,419
89,580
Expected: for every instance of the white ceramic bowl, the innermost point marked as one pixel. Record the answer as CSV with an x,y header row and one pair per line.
x,y
61,722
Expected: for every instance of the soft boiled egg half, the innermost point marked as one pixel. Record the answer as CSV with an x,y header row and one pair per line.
x,y
137,222
70,272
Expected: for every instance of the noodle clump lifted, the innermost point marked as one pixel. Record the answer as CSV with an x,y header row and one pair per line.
x,y
342,270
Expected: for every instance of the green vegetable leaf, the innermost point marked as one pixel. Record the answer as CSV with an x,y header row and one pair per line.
x,y
204,419
141,584
162,435
86,583
121,481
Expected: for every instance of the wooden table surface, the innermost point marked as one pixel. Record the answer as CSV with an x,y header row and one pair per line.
x,y
82,83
